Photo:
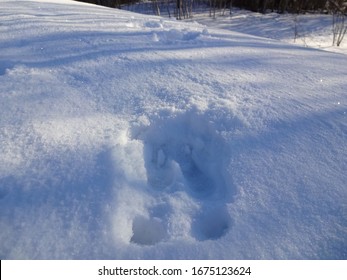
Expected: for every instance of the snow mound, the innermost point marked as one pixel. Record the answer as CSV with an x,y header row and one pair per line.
x,y
126,136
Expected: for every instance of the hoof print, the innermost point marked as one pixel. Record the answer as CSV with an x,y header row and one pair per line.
x,y
147,231
211,224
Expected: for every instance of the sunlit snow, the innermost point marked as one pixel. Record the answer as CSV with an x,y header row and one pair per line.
x,y
127,136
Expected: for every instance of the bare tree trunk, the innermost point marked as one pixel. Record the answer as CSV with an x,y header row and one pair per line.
x,y
339,11
156,8
339,28
168,7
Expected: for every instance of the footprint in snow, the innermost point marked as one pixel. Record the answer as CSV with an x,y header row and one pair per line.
x,y
185,161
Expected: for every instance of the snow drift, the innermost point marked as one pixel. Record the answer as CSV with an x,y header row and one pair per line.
x,y
126,136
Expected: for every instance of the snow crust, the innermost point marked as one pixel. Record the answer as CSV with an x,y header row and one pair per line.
x,y
125,136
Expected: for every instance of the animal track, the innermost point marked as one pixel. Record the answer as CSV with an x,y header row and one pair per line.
x,y
185,161
212,223
160,169
147,231
197,180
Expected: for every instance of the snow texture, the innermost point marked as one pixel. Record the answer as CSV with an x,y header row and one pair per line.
x,y
128,136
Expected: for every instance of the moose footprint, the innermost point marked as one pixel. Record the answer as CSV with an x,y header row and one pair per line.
x,y
185,156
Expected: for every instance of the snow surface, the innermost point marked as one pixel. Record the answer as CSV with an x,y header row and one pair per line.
x,y
312,30
126,136
309,30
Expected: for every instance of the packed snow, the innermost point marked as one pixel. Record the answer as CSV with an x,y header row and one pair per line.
x,y
128,136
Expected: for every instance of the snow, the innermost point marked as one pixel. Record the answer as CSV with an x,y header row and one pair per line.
x,y
128,136
309,30
312,30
